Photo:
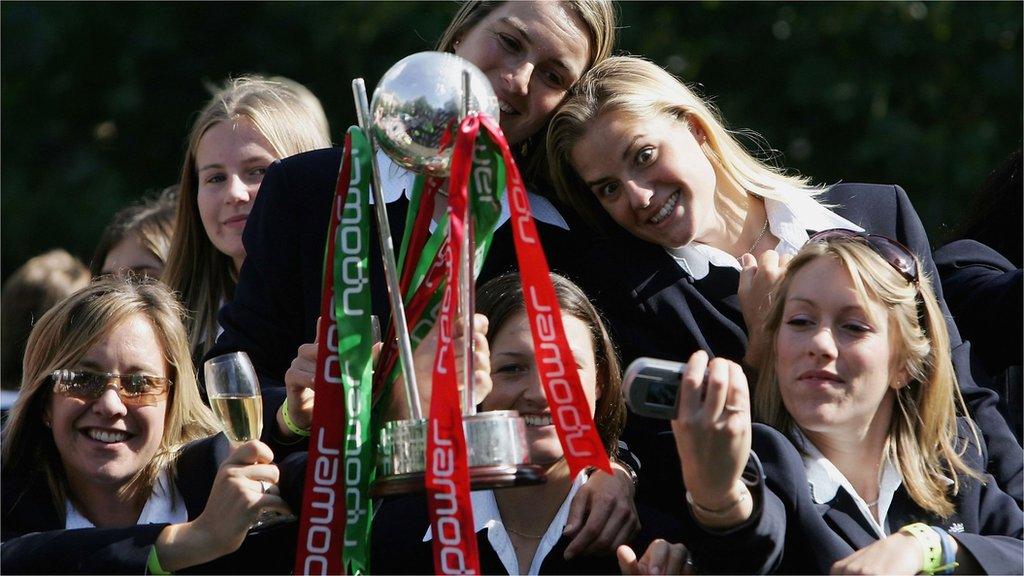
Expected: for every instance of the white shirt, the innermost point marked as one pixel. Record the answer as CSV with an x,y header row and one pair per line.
x,y
487,517
397,182
163,505
788,221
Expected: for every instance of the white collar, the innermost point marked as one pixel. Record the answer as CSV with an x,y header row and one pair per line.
x,y
163,505
789,220
486,516
397,182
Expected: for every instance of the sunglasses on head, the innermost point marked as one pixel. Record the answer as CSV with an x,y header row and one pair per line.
x,y
134,389
895,253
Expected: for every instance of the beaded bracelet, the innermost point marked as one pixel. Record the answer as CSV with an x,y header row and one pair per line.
x,y
291,425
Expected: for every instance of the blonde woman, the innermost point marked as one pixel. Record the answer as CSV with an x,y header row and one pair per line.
x,y
108,461
690,219
248,124
864,466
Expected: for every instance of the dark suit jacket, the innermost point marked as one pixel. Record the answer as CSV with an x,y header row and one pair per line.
x,y
35,541
401,522
985,293
277,300
789,533
655,309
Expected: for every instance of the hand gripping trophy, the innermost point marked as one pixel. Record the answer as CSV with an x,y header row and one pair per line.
x,y
434,114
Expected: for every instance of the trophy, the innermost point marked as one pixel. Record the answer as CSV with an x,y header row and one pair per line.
x,y
415,108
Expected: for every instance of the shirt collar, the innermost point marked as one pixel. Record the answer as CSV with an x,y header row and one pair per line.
x,y
789,220
487,517
164,505
398,182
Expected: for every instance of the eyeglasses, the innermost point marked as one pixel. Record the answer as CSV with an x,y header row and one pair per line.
x,y
134,389
895,253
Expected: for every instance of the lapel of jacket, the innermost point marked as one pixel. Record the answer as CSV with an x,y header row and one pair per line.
x,y
842,514
196,469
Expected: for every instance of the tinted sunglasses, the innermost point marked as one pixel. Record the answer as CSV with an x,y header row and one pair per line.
x,y
896,254
134,389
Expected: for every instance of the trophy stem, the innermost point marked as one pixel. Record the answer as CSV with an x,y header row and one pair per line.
x,y
387,249
468,306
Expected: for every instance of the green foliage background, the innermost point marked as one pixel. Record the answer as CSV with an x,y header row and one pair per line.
x,y
96,98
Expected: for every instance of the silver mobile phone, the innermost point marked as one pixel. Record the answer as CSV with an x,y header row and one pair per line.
x,y
651,387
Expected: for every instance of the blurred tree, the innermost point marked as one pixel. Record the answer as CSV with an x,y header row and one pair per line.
x,y
96,98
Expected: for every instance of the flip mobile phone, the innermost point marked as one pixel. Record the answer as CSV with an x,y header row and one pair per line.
x,y
652,387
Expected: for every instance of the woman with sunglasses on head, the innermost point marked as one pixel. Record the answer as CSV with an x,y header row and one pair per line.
x,y
690,219
532,53
866,461
109,463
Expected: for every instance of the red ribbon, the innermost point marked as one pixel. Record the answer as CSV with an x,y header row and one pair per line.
x,y
569,409
322,524
447,481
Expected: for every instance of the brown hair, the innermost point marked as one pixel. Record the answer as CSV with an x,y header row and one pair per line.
x,y
923,431
599,24
201,274
62,337
32,290
502,298
151,221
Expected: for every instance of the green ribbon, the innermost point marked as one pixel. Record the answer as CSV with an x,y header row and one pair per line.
x,y
352,308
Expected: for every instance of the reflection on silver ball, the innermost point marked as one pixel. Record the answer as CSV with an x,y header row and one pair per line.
x,y
418,100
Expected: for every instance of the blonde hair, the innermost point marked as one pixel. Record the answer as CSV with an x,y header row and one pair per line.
x,y
923,431
62,337
202,275
643,90
600,25
32,290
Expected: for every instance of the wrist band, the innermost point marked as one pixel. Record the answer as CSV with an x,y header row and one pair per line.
x,y
627,469
931,543
291,425
719,511
153,564
949,562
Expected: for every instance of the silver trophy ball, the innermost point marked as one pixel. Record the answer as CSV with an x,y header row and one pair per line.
x,y
418,100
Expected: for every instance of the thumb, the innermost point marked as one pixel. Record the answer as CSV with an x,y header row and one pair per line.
x,y
747,260
316,337
627,560
749,264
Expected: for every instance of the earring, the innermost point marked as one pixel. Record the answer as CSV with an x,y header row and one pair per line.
x,y
524,148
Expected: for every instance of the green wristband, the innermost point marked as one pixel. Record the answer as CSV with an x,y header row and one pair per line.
x,y
153,564
291,425
931,543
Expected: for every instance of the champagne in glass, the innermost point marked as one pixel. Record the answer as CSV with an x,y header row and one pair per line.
x,y
234,393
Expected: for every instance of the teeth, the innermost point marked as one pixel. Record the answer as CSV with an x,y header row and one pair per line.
x,y
107,437
539,420
666,209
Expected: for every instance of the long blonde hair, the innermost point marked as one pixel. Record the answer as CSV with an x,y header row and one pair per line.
x,y
62,337
202,275
644,90
600,25
923,431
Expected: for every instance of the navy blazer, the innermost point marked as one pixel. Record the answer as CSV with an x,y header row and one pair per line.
x,y
35,541
277,300
789,533
656,309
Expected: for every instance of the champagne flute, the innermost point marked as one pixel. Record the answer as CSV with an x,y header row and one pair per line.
x,y
234,393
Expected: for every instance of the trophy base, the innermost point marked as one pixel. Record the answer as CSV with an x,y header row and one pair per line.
x,y
485,478
496,444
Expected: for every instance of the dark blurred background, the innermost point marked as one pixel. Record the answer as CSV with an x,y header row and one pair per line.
x,y
97,97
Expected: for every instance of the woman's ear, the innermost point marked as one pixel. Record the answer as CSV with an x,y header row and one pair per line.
x,y
696,128
901,380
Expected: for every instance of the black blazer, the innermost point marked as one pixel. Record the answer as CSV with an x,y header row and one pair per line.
x,y
399,524
277,300
656,309
789,533
35,541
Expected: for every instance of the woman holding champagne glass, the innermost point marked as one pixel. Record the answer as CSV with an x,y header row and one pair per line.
x,y
109,465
